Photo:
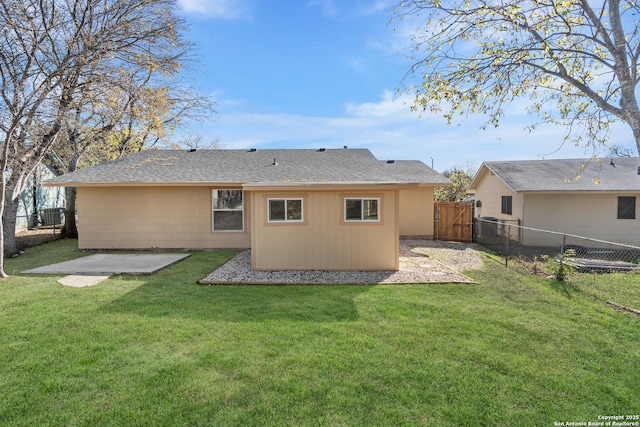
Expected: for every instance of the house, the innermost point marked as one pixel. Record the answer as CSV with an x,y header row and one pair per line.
x,y
585,197
39,205
330,209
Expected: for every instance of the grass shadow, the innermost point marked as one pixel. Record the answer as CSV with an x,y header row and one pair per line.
x,y
174,292
564,287
308,303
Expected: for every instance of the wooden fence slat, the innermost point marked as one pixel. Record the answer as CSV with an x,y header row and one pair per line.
x,y
453,221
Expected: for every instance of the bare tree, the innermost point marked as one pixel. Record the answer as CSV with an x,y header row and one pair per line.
x,y
56,58
620,151
118,119
576,60
192,140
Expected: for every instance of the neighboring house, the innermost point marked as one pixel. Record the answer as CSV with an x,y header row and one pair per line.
x,y
599,202
35,200
296,209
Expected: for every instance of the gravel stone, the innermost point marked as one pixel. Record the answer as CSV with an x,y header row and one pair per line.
x,y
421,261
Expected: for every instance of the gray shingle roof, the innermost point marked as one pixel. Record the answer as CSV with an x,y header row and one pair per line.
x,y
246,167
617,174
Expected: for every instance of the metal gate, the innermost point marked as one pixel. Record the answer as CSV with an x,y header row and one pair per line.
x,y
453,221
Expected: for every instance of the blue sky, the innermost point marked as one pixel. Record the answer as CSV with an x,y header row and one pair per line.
x,y
325,73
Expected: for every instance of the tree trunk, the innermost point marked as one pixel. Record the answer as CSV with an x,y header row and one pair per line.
x,y
70,228
635,128
3,187
9,222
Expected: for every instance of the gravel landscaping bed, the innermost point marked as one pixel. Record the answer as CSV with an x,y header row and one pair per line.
x,y
421,261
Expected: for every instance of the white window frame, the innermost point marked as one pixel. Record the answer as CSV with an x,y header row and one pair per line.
x,y
362,219
214,210
270,199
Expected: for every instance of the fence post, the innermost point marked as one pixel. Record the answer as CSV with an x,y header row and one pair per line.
x,y
437,221
506,245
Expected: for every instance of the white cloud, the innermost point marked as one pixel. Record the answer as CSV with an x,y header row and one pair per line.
x,y
391,130
350,9
225,9
328,7
359,65
369,8
388,106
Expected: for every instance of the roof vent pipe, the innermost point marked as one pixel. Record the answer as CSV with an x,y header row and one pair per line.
x,y
321,149
274,162
639,171
252,150
390,161
193,150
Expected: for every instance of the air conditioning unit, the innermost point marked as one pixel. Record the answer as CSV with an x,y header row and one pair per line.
x,y
488,226
52,216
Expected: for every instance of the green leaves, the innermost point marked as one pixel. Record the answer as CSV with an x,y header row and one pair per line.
x,y
565,56
461,179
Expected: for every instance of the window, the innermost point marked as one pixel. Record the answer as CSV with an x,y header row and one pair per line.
x,y
507,205
228,211
626,208
285,210
361,209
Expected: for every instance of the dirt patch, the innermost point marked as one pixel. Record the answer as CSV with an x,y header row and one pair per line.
x,y
623,309
29,238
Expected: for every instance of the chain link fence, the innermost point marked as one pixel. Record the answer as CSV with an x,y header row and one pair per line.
x,y
584,254
47,218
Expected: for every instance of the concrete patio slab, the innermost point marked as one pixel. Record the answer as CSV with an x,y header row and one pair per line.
x,y
110,264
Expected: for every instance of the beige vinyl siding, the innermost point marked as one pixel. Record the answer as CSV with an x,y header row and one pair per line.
x,y
152,217
324,241
489,192
590,214
416,213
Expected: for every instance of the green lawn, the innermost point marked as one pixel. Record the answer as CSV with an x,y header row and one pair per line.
x,y
513,349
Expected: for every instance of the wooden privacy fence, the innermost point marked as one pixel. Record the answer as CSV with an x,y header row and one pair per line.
x,y
453,221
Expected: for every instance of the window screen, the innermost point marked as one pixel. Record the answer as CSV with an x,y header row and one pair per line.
x,y
285,210
228,210
361,209
507,205
626,208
